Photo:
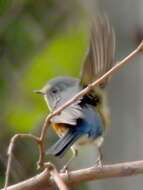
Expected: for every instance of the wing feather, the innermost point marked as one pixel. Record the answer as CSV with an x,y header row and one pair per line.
x,y
101,53
71,113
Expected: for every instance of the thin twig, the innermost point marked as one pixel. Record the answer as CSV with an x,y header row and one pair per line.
x,y
10,152
40,163
44,182
56,176
82,93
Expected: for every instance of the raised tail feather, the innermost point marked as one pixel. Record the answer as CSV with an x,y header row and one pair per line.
x,y
64,143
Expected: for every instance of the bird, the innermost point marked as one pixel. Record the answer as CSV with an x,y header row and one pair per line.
x,y
84,121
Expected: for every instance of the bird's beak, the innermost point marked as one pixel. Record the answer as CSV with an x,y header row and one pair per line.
x,y
39,92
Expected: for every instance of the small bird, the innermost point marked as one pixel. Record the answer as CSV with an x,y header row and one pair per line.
x,y
85,121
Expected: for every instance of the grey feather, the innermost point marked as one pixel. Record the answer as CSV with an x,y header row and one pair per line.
x,y
100,56
71,113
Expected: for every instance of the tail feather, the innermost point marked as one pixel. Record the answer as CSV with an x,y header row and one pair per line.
x,y
63,144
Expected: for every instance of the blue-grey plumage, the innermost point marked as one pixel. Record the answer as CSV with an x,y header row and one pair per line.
x,y
89,116
89,125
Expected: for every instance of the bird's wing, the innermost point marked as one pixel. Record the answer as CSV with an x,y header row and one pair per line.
x,y
71,113
100,55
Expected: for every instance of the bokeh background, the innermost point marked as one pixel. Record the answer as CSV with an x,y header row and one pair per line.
x,y
43,39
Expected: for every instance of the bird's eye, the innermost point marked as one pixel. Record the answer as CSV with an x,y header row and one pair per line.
x,y
54,91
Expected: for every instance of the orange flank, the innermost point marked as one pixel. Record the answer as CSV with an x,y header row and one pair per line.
x,y
60,128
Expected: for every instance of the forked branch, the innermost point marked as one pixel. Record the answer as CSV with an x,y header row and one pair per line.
x,y
44,182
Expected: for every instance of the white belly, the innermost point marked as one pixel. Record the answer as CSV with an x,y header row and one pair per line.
x,y
86,140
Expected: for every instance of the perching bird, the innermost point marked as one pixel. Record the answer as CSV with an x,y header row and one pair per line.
x,y
85,120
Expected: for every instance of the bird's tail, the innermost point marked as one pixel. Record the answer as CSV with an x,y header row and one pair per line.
x,y
64,143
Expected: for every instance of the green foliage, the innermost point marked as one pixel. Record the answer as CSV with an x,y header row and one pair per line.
x,y
35,45
62,56
4,5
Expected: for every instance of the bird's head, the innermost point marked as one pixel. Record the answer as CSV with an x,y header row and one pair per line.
x,y
54,90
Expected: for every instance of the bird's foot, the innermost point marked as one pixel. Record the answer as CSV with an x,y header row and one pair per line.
x,y
65,169
99,163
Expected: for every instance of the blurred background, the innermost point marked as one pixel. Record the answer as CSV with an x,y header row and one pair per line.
x,y
43,39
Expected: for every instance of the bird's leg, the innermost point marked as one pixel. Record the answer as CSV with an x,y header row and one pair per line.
x,y
99,161
74,154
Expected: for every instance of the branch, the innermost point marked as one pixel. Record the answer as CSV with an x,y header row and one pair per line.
x,y
82,93
56,176
10,151
40,140
42,180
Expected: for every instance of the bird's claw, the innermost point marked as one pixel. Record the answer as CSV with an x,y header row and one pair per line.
x,y
64,169
99,163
